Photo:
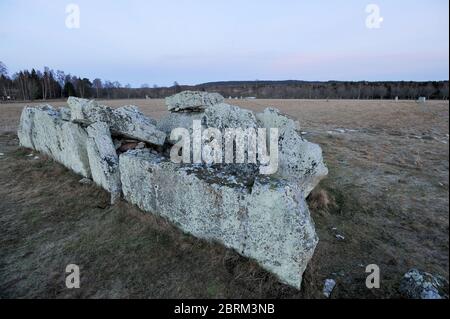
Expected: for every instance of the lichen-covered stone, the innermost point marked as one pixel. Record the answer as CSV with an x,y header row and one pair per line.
x,y
88,111
26,127
42,129
127,120
272,117
179,119
192,101
266,220
130,122
417,284
300,161
103,159
224,115
133,112
65,113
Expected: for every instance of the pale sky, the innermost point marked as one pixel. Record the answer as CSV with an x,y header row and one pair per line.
x,y
159,42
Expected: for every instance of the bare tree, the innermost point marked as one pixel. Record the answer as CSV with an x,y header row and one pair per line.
x,y
367,91
443,91
412,91
97,85
428,90
340,91
128,90
45,81
380,91
3,77
396,91
3,69
61,78
108,85
42,84
177,87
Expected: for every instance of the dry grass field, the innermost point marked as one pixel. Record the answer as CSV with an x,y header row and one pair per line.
x,y
386,194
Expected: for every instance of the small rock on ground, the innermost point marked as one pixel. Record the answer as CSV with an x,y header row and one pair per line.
x,y
328,287
85,181
417,284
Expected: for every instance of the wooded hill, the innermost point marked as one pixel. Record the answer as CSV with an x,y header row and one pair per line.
x,y
50,84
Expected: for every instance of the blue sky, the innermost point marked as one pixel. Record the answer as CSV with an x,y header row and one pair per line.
x,y
159,42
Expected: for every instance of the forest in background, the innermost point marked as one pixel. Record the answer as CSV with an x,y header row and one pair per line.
x,y
46,84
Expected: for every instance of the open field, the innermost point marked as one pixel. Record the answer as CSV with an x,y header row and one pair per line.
x,y
387,187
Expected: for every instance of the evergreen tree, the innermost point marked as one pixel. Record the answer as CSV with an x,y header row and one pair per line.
x,y
69,89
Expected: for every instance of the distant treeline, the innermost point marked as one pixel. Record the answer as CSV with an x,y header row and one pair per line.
x,y
330,89
50,84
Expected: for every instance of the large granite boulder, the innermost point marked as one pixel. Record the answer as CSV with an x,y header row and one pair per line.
x,y
127,120
42,128
26,125
264,219
179,119
272,117
103,159
224,115
85,111
130,122
192,101
300,161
